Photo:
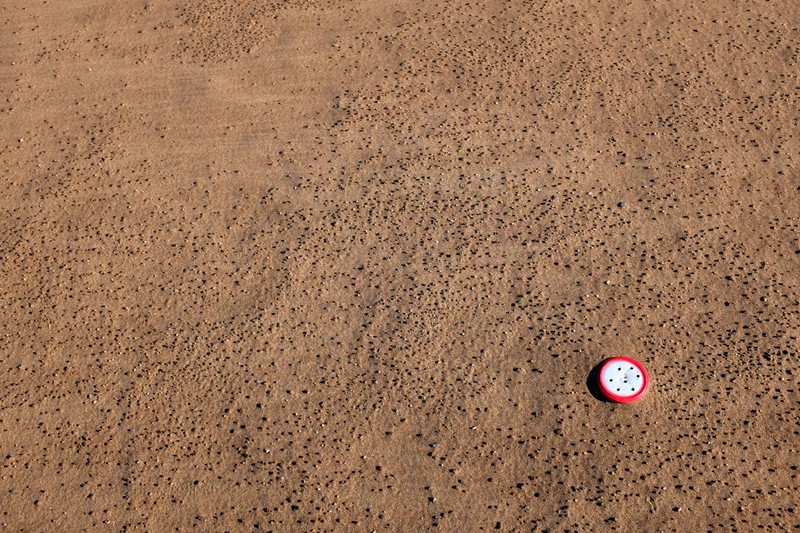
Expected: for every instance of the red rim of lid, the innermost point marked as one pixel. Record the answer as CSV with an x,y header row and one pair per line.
x,y
615,397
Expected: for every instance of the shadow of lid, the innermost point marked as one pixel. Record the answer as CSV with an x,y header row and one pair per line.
x,y
592,383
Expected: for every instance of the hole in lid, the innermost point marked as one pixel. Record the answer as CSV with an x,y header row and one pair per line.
x,y
617,390
632,388
610,379
631,368
638,376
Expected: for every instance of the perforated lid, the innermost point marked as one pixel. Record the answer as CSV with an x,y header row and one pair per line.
x,y
623,379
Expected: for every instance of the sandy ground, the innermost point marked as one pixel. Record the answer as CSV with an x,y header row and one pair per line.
x,y
348,265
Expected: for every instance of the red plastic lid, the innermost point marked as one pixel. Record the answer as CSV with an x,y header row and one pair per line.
x,y
623,380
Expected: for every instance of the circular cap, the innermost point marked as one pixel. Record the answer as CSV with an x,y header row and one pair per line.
x,y
623,379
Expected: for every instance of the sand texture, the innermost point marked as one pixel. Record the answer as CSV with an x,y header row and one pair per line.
x,y
335,265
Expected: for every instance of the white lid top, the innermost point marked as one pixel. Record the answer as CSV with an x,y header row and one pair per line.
x,y
622,378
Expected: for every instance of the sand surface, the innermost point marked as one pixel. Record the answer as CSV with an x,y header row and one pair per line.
x,y
336,265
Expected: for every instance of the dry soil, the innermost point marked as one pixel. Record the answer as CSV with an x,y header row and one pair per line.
x,y
337,265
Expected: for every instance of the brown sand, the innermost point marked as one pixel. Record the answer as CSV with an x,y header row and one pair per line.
x,y
347,265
